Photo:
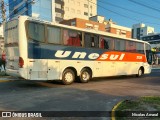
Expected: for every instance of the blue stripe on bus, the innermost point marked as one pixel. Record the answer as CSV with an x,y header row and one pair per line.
x,y
47,51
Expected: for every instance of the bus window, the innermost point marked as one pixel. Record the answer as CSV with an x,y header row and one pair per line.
x,y
72,38
140,47
148,53
120,45
54,35
36,32
130,46
91,40
95,41
87,40
106,43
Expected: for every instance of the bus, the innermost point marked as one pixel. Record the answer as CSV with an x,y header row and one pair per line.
x,y
41,50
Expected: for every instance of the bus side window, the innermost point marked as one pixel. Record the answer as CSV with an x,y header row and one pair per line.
x,y
120,45
106,46
36,31
140,47
95,41
87,40
54,35
72,38
91,40
106,43
101,42
130,46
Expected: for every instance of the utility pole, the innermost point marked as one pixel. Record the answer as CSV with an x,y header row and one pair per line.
x,y
3,10
88,10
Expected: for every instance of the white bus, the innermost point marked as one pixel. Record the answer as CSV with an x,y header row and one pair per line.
x,y
40,50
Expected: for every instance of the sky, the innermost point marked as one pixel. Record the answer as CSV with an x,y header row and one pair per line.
x,y
129,12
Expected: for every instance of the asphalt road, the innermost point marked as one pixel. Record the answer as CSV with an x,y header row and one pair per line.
x,y
100,94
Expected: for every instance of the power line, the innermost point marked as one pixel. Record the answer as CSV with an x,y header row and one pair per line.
x,y
133,11
133,19
141,4
3,11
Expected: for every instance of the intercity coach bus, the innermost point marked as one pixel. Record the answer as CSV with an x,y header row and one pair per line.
x,y
41,50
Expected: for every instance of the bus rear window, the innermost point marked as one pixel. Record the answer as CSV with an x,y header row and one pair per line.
x,y
36,31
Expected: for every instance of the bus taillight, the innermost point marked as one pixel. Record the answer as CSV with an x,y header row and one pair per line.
x,y
21,62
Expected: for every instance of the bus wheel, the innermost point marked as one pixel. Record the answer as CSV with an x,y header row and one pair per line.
x,y
85,75
140,72
68,77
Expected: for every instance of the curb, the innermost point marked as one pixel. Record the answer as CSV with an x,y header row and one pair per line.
x,y
155,68
117,105
1,81
6,79
113,110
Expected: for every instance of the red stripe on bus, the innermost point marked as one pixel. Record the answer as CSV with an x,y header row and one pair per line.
x,y
122,56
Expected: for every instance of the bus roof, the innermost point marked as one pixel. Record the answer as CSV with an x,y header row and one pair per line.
x,y
103,33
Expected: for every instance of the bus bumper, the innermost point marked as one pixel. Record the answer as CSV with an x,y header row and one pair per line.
x,y
14,73
148,70
17,73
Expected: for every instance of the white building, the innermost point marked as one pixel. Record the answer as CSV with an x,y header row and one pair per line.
x,y
79,9
1,39
1,30
119,30
140,30
98,18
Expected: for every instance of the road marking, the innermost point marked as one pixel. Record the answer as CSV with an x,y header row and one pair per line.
x,y
113,110
155,68
7,79
4,80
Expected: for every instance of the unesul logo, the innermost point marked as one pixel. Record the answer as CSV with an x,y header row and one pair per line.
x,y
91,56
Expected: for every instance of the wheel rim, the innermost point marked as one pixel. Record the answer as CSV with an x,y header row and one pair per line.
x,y
85,76
68,77
140,72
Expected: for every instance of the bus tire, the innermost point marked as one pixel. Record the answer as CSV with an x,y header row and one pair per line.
x,y
85,75
68,77
140,72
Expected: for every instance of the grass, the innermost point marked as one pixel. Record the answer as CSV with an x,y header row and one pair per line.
x,y
142,105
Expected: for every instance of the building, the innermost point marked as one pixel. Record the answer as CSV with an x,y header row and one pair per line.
x,y
80,9
50,10
99,24
101,19
86,24
112,27
1,31
1,45
53,10
139,30
119,30
1,39
153,39
97,18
